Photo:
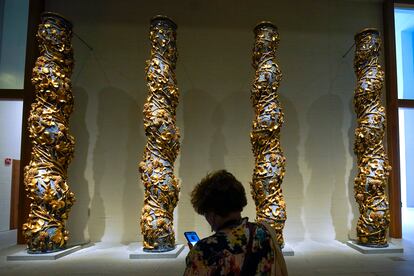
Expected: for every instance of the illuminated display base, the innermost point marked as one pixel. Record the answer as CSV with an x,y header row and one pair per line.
x,y
139,252
392,248
287,250
24,256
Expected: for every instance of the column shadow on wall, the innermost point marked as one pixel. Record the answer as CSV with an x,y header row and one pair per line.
x,y
353,172
325,195
116,177
133,196
97,208
195,155
293,185
339,200
79,215
218,147
236,123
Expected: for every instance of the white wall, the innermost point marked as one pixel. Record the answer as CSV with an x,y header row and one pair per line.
x,y
214,75
10,137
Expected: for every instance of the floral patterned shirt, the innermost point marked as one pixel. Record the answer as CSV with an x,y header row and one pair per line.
x,y
223,253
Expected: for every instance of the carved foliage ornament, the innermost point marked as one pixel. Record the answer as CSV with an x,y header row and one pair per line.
x,y
52,146
157,167
269,168
373,167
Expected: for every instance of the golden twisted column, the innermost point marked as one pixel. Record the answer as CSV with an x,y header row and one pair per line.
x,y
46,175
157,168
269,168
373,169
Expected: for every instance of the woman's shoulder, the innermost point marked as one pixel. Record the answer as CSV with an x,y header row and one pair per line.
x,y
260,234
211,241
257,226
230,239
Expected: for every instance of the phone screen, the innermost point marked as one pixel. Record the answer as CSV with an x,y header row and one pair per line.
x,y
191,237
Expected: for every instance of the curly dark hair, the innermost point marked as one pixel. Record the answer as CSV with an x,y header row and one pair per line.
x,y
219,192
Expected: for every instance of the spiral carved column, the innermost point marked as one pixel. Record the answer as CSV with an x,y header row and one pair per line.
x,y
157,168
373,168
269,168
45,177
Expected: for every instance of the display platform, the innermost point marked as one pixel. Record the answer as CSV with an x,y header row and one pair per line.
x,y
139,253
24,256
288,251
392,248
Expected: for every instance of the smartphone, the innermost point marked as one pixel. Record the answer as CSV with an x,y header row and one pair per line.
x,y
192,238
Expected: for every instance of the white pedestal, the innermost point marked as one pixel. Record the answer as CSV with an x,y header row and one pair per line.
x,y
24,256
288,251
141,254
392,248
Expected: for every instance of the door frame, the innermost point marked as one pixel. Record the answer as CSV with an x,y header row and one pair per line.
x,y
392,105
32,52
27,96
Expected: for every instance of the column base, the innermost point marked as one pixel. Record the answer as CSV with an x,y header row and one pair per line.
x,y
24,256
141,254
392,248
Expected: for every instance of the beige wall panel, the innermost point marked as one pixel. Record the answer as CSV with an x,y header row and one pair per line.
x,y
214,75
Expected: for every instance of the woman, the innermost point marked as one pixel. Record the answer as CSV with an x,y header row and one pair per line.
x,y
238,247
